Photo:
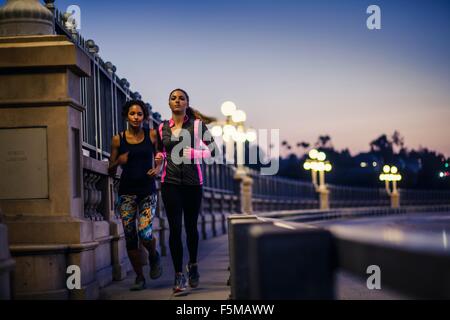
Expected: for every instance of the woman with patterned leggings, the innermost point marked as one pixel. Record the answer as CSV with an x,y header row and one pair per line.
x,y
133,149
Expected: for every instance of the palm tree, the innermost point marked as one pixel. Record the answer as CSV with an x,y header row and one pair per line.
x,y
398,140
303,145
324,142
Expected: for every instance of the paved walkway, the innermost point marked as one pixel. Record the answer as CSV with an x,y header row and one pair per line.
x,y
213,268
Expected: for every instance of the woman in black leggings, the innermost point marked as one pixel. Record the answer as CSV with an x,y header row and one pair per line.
x,y
180,141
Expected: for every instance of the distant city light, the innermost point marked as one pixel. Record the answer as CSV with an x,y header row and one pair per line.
x,y
386,169
446,164
441,174
374,164
363,164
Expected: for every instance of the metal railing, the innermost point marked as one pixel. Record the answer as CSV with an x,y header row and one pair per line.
x,y
102,94
424,197
344,196
277,193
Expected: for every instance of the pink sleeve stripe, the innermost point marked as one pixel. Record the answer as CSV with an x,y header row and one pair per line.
x,y
163,153
196,139
200,154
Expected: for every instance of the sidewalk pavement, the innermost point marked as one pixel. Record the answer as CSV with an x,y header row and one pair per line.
x,y
213,268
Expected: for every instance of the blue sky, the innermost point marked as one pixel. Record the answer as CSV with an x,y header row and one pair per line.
x,y
304,67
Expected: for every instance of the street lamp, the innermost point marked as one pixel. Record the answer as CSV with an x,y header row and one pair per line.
x,y
238,116
232,130
390,174
227,108
317,164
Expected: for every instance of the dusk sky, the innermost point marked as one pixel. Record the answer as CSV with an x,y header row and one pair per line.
x,y
305,67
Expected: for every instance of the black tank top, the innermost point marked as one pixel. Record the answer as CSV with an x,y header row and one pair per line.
x,y
134,179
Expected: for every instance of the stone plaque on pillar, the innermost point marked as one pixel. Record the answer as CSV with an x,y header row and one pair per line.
x,y
23,163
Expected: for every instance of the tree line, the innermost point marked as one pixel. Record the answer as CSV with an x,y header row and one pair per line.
x,y
420,169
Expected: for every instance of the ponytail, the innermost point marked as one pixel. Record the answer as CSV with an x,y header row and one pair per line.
x,y
193,113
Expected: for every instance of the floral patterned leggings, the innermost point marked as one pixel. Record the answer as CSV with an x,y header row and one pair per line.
x,y
142,209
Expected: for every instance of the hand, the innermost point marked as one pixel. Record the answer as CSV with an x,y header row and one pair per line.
x,y
159,159
187,152
122,159
154,171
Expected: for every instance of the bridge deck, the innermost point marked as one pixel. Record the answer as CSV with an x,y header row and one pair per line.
x,y
213,268
213,264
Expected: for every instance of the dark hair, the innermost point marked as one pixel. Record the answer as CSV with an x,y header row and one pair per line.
x,y
191,112
131,103
184,92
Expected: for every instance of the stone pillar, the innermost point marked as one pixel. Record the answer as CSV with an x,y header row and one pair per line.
x,y
244,189
41,190
25,17
6,263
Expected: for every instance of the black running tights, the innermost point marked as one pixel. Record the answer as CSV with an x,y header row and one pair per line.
x,y
179,199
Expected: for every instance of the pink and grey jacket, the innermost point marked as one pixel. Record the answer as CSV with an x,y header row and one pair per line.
x,y
184,173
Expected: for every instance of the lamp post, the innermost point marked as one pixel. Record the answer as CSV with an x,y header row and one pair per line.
x,y
318,165
238,117
233,131
390,174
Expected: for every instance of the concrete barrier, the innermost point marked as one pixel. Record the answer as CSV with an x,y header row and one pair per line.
x,y
238,234
289,263
271,260
416,266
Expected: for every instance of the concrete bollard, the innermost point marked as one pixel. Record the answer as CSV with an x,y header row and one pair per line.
x,y
238,226
290,264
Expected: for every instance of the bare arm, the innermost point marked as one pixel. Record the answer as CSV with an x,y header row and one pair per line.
x,y
115,160
156,142
158,157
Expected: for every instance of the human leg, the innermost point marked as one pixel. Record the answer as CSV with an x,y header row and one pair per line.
x,y
128,210
171,195
192,198
147,209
